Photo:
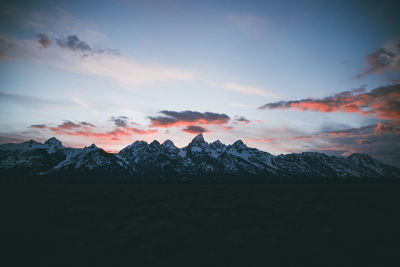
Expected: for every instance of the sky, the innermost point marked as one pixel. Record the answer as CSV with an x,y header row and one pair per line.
x,y
283,76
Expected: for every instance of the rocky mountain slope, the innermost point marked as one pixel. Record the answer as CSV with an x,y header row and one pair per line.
x,y
164,161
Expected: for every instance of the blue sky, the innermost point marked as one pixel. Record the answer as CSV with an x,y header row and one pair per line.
x,y
117,65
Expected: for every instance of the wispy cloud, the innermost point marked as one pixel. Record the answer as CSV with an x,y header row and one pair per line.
x,y
247,23
243,88
247,89
241,120
86,129
32,100
340,142
74,44
130,72
242,105
38,126
382,60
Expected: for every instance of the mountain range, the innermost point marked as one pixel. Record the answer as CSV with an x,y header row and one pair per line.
x,y
198,160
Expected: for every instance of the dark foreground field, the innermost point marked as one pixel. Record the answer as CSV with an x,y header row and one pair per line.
x,y
277,224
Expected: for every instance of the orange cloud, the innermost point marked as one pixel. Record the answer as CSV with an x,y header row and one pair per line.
x,y
382,102
87,129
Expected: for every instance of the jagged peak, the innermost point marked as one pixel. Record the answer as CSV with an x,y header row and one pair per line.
x,y
92,147
155,143
217,142
168,143
53,141
198,138
139,142
31,141
239,143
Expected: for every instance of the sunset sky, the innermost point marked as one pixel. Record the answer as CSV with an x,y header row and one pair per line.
x,y
283,76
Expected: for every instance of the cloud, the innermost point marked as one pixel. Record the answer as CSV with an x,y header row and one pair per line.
x,y
38,126
341,142
130,72
5,46
388,127
120,121
68,125
382,102
79,56
363,142
247,89
86,129
247,23
32,100
74,44
87,124
241,105
241,120
381,60
185,118
192,129
44,40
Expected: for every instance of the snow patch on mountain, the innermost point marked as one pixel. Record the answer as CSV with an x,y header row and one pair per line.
x,y
198,158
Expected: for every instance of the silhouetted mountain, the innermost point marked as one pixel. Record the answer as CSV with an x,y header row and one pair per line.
x,y
166,161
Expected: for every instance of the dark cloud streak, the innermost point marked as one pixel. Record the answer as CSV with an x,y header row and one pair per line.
x,y
120,121
74,44
184,118
44,40
192,129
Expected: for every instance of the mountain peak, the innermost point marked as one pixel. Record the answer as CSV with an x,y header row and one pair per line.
x,y
31,141
198,158
217,143
137,144
168,143
92,147
155,143
198,138
239,144
358,158
53,142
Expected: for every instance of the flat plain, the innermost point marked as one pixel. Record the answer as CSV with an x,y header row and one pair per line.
x,y
260,224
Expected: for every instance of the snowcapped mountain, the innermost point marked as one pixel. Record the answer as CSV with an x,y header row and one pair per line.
x,y
92,161
163,161
32,158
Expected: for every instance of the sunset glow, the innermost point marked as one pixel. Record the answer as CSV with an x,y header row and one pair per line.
x,y
280,79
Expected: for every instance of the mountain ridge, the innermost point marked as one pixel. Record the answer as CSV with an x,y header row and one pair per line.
x,y
198,159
